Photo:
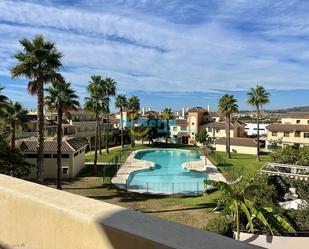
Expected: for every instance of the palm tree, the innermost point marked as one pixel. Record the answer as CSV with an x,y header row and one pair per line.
x,y
167,115
258,97
3,98
15,115
39,61
108,90
62,99
134,106
95,104
228,105
237,199
120,103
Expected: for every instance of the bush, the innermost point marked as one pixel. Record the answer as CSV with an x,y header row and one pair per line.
x,y
300,218
219,224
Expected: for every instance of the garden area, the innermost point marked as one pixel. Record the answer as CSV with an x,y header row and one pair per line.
x,y
198,211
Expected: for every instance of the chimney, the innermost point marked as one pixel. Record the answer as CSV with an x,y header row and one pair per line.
x,y
208,108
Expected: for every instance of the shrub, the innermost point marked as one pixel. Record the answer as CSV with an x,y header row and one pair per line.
x,y
219,224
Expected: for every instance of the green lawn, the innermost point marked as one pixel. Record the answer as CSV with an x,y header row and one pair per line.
x,y
192,211
240,164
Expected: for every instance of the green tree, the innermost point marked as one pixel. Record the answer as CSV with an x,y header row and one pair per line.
x,y
258,97
120,103
15,115
39,61
228,105
95,103
61,98
238,198
203,136
167,115
3,98
12,162
134,106
109,90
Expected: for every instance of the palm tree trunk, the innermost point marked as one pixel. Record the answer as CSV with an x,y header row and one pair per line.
x,y
40,132
167,127
228,144
258,134
107,133
59,143
100,139
121,125
13,137
95,169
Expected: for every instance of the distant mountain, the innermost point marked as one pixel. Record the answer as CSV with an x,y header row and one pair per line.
x,y
292,109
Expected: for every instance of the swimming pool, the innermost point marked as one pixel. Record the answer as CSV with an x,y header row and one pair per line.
x,y
167,176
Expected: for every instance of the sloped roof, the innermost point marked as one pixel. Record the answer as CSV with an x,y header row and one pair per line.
x,y
300,115
287,127
182,134
68,146
222,125
238,141
197,109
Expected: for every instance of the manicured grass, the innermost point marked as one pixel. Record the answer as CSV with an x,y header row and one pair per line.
x,y
240,164
192,211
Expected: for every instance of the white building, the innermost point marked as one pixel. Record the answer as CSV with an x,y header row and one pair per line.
x,y
251,129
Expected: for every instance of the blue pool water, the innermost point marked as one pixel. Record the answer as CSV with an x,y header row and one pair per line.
x,y
167,176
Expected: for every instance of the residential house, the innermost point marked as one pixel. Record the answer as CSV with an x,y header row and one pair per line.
x,y
242,145
72,152
293,130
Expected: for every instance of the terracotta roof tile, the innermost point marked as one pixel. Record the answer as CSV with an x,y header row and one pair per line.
x,y
287,127
238,141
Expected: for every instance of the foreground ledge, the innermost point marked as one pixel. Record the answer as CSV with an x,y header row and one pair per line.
x,y
33,216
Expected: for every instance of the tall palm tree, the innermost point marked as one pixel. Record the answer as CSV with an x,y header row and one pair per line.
x,y
237,199
39,61
167,115
61,98
134,106
258,97
109,90
120,103
3,98
94,103
15,115
228,105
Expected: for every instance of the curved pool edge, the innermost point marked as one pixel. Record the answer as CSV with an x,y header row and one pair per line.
x,y
120,180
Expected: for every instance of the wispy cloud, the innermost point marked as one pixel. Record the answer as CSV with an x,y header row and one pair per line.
x,y
168,46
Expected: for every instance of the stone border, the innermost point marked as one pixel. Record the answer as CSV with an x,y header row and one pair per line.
x,y
132,164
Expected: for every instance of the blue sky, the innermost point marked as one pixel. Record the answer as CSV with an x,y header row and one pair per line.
x,y
175,53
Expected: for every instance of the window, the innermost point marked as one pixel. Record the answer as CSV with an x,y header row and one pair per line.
x,y
297,134
65,155
75,154
274,133
30,155
307,121
306,135
175,128
183,128
65,170
286,134
297,121
192,123
209,129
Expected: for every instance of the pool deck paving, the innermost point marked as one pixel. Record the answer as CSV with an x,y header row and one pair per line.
x,y
132,164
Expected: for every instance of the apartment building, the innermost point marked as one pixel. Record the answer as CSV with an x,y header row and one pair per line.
x,y
218,129
293,130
